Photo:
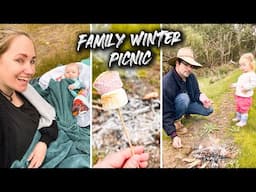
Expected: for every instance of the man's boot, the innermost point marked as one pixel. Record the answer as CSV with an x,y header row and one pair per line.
x,y
178,125
180,129
188,116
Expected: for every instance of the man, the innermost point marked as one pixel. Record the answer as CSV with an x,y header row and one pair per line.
x,y
181,93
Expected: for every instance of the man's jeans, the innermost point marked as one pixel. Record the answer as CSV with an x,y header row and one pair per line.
x,y
184,106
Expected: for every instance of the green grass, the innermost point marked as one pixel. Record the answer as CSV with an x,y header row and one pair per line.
x,y
165,136
97,156
246,140
245,137
209,128
215,90
247,143
142,73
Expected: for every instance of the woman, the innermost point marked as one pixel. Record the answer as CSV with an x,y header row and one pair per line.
x,y
19,117
23,111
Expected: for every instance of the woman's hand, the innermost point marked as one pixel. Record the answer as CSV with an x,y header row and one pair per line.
x,y
125,159
37,156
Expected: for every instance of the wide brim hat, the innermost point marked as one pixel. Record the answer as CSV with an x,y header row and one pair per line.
x,y
185,54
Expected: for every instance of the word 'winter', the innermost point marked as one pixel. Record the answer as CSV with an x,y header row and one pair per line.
x,y
157,38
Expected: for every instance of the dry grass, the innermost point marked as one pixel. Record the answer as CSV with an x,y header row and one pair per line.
x,y
55,43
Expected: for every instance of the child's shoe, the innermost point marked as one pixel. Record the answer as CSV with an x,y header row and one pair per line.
x,y
235,119
243,121
241,124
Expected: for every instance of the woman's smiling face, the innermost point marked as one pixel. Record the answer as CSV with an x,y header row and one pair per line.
x,y
17,64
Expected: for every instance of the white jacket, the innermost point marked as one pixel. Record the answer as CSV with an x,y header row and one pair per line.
x,y
245,84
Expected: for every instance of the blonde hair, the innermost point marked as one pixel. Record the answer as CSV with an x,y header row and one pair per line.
x,y
6,37
249,58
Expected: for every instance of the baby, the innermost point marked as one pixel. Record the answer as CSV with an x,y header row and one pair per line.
x,y
72,72
81,94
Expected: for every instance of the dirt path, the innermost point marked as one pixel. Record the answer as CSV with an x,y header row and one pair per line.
x,y
204,132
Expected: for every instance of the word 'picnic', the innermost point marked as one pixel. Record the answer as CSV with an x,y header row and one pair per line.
x,y
129,58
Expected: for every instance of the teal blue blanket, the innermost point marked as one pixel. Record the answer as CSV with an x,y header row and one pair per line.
x,y
72,147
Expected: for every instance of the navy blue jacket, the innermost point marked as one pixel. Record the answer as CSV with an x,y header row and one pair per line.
x,y
173,85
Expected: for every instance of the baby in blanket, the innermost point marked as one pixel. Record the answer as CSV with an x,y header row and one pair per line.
x,y
80,93
72,72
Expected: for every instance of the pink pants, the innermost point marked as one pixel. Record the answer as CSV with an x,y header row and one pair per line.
x,y
243,104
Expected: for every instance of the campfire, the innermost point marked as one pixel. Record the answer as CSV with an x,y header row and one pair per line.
x,y
214,156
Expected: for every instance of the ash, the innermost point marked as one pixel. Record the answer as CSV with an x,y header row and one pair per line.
x,y
142,118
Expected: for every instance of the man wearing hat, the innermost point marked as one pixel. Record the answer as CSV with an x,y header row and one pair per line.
x,y
181,93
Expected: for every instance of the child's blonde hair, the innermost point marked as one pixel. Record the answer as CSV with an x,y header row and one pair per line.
x,y
248,57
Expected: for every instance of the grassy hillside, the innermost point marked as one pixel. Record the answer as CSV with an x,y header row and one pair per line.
x,y
55,43
244,137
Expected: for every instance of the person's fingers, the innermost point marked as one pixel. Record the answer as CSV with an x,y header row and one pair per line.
x,y
30,156
38,164
35,163
177,144
32,163
127,153
133,162
143,164
138,149
31,160
143,160
144,157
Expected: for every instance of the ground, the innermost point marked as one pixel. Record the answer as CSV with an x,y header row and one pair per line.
x,y
210,133
141,116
